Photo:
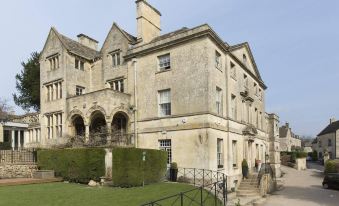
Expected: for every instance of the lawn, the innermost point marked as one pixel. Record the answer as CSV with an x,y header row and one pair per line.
x,y
55,194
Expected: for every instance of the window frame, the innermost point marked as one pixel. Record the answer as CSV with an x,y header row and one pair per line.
x,y
79,90
116,58
114,82
164,65
219,101
164,146
220,153
234,153
218,60
168,110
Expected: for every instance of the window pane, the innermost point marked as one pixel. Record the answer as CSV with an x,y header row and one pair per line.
x,y
76,64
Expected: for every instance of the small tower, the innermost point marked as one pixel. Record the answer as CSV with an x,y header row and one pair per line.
x,y
274,144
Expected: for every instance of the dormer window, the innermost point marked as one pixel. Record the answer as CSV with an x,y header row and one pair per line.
x,y
79,64
116,61
54,62
164,62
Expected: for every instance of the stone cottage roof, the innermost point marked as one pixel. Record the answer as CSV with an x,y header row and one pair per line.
x,y
78,49
331,128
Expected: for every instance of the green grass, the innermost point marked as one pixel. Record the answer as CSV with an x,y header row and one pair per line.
x,y
55,194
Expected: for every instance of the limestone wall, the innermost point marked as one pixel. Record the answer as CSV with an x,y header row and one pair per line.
x,y
300,164
17,170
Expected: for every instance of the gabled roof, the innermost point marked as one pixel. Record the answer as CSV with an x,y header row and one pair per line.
x,y
331,128
76,48
132,39
247,47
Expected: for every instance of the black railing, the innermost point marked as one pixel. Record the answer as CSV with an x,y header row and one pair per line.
x,y
211,189
18,156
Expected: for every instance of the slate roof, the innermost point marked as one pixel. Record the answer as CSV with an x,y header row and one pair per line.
x,y
331,128
164,36
79,49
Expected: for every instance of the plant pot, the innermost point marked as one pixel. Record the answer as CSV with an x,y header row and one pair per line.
x,y
245,172
173,175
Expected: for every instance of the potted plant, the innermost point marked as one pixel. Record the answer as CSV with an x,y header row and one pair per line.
x,y
244,167
173,172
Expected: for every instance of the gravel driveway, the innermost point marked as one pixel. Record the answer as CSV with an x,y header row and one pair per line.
x,y
303,188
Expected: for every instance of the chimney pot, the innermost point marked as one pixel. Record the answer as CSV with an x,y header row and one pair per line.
x,y
332,120
88,41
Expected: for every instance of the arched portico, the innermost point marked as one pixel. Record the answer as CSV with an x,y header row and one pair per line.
x,y
78,124
98,123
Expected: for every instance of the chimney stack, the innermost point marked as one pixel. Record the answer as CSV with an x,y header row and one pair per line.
x,y
148,21
332,120
88,41
287,125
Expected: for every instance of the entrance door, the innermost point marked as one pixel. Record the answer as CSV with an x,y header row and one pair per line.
x,y
249,160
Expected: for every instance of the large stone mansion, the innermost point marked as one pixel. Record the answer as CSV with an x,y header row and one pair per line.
x,y
187,92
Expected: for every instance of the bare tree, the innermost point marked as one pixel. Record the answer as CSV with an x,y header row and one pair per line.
x,y
6,111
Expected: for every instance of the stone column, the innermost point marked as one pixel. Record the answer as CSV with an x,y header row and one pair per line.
x,y
109,131
20,146
86,133
13,139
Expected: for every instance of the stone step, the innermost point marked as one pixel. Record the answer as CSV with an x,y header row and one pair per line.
x,y
247,188
248,194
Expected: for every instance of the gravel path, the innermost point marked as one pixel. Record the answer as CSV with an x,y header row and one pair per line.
x,y
303,188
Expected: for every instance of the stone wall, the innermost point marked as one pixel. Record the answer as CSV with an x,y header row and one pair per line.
x,y
17,170
300,164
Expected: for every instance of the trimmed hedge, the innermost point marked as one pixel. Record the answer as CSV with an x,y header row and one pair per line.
x,y
293,155
5,146
130,170
330,167
75,165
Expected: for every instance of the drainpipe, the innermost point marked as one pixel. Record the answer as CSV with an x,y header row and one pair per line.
x,y
134,60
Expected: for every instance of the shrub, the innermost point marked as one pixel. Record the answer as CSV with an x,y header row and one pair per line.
x,y
130,170
5,146
75,165
301,154
330,167
174,165
293,157
244,164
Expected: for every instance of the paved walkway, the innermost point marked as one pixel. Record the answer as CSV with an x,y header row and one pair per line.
x,y
303,188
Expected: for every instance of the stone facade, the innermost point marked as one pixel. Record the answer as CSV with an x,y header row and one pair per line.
x,y
187,92
17,170
327,141
288,140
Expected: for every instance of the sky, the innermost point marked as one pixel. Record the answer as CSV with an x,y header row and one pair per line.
x,y
295,43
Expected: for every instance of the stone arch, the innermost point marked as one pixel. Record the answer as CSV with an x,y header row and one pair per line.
x,y
98,123
73,113
76,123
92,110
